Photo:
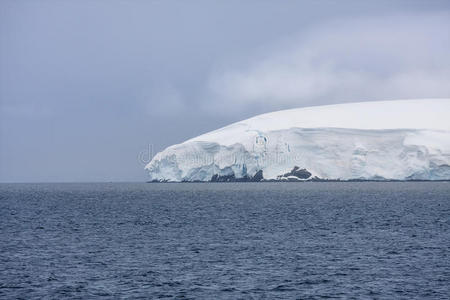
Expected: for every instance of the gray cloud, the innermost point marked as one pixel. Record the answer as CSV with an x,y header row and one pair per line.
x,y
389,57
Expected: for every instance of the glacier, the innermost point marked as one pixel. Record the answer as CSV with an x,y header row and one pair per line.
x,y
380,140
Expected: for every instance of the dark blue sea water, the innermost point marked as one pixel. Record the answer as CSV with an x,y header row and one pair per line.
x,y
225,241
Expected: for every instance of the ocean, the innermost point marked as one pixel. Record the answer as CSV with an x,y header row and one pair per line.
x,y
309,240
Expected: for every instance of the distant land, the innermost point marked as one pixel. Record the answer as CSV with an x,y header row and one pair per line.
x,y
382,140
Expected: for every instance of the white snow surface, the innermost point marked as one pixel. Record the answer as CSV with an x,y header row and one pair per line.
x,y
402,139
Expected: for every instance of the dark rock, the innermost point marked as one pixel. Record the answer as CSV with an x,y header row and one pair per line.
x,y
258,176
232,178
223,178
299,173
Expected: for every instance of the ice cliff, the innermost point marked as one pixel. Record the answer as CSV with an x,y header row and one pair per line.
x,y
385,140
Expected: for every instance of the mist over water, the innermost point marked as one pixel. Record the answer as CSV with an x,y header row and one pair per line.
x,y
234,240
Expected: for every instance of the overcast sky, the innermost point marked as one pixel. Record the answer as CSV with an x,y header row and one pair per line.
x,y
86,86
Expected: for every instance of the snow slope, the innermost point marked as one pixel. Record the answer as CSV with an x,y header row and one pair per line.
x,y
403,139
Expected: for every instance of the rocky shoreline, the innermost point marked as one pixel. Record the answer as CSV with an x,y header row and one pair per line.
x,y
295,175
